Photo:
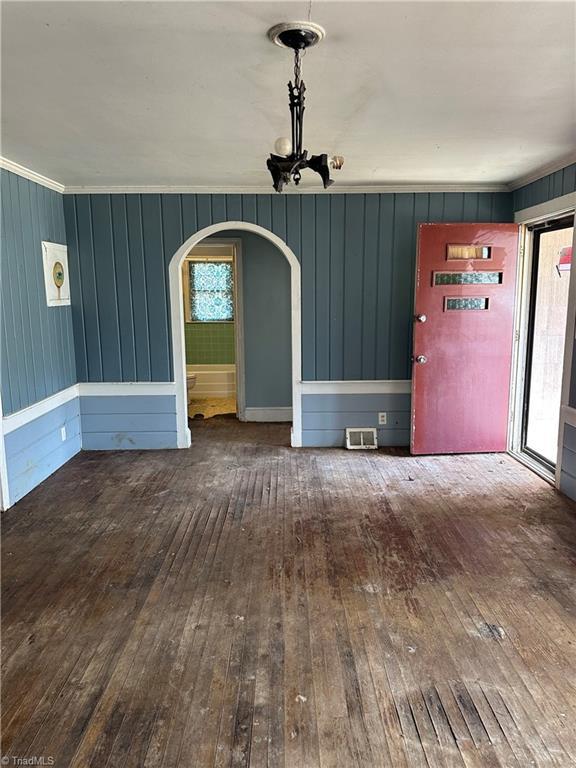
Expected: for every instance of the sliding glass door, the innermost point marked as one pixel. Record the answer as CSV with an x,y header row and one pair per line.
x,y
551,264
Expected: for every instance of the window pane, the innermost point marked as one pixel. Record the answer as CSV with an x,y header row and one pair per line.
x,y
468,302
211,291
461,252
467,278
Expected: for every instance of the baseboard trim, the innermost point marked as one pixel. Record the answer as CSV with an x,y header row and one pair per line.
x,y
268,414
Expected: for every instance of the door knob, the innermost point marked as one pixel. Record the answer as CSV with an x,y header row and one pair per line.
x,y
421,318
421,359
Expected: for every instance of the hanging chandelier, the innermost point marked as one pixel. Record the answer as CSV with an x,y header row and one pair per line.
x,y
289,158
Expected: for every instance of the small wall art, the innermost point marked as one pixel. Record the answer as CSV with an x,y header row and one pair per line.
x,y
56,278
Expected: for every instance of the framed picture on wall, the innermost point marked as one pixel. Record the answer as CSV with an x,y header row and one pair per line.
x,y
56,278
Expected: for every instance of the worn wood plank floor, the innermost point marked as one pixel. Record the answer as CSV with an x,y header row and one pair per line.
x,y
243,603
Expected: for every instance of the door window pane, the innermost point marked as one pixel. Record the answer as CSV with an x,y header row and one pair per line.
x,y
465,303
468,278
468,252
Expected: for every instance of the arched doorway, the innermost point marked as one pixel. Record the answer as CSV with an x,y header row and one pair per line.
x,y
177,322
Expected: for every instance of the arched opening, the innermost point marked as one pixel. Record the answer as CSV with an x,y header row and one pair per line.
x,y
177,323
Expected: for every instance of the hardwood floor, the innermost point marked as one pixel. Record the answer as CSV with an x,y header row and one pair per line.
x,y
243,603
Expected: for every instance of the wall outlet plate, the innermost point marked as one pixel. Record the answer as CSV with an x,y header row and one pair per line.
x,y
63,433
382,418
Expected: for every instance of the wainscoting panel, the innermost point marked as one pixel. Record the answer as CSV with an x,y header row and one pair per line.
x,y
326,416
39,447
568,459
128,422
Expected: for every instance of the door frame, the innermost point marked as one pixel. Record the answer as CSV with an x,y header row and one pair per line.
x,y
538,214
177,324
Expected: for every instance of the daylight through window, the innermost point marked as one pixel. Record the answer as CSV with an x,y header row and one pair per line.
x,y
211,291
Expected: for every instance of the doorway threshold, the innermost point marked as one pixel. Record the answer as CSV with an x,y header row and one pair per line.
x,y
535,466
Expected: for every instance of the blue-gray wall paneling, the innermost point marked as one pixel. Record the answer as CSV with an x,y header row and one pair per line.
x,y
357,254
37,347
553,185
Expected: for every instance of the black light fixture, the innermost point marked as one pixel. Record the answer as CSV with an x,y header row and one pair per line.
x,y
290,159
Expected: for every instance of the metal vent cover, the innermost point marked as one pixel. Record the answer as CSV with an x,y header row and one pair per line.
x,y
361,438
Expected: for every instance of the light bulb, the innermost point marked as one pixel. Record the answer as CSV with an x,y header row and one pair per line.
x,y
336,162
283,146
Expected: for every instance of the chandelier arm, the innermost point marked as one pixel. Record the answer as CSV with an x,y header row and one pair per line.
x,y
301,116
293,119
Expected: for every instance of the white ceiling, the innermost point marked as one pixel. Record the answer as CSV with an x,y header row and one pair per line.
x,y
193,94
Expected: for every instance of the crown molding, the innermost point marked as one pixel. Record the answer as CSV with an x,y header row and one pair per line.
x,y
543,170
27,173
267,190
38,178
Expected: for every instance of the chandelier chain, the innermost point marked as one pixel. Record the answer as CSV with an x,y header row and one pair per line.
x,y
297,67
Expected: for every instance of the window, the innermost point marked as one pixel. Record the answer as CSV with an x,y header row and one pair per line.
x,y
460,303
211,291
466,252
468,278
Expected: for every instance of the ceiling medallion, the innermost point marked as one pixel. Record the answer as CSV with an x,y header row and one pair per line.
x,y
290,159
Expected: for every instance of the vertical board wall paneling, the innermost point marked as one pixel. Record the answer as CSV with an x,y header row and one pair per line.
x,y
123,276
308,246
336,287
156,286
322,272
86,265
37,341
357,254
553,185
403,263
106,286
139,287
387,210
353,300
370,287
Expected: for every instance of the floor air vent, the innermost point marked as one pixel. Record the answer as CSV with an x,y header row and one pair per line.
x,y
359,438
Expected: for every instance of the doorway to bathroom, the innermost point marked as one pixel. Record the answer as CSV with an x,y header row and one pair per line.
x,y
211,296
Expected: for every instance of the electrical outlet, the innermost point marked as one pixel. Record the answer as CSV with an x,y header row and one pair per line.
x,y
381,418
63,433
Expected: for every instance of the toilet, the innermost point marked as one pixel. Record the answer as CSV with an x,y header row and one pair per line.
x,y
190,384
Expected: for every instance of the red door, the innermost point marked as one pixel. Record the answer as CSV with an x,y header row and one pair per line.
x,y
463,328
